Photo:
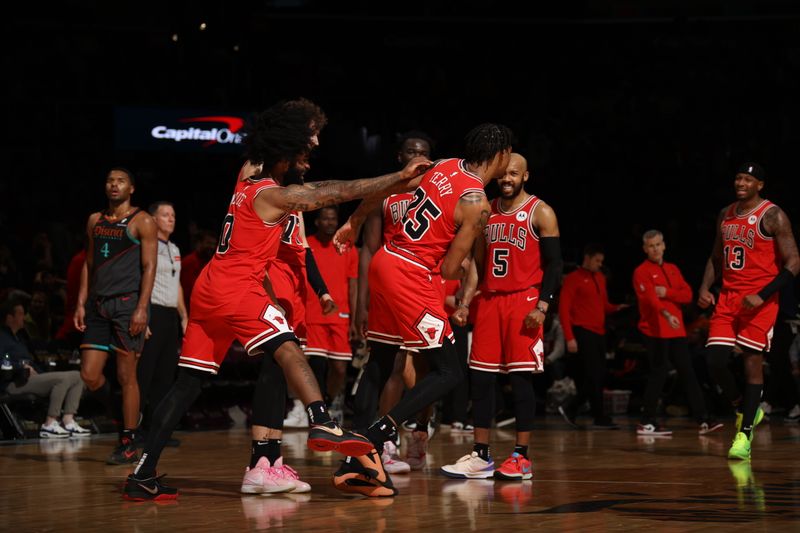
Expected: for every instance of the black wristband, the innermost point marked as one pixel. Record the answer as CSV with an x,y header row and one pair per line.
x,y
553,265
313,275
783,278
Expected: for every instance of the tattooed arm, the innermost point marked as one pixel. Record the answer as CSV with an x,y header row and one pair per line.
x,y
472,213
272,203
776,223
713,268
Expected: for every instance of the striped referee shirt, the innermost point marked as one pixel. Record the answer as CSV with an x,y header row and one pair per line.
x,y
168,275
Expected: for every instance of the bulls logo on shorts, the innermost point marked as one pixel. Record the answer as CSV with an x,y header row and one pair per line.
x,y
431,328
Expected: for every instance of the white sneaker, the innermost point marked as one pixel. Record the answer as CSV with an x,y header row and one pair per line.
x,y
766,408
793,415
470,467
391,460
297,417
417,450
53,430
76,430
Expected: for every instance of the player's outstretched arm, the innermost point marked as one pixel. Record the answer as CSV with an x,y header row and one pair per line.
x,y
271,203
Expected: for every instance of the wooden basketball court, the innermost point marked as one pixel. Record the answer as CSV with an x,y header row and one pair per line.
x,y
583,481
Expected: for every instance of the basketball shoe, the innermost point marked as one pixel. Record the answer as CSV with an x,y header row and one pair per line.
x,y
290,474
140,490
417,450
124,453
327,438
740,448
265,478
653,430
515,468
364,475
391,460
739,419
470,466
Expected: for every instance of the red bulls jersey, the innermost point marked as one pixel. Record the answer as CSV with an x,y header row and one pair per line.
x,y
513,262
428,226
750,259
291,250
394,207
245,245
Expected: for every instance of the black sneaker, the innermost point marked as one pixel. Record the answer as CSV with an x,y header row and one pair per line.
x,y
325,438
124,454
364,475
604,423
140,490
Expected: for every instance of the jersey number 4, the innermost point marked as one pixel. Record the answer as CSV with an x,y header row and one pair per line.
x,y
734,257
225,236
421,212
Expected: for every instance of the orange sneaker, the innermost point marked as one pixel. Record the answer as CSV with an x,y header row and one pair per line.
x,y
364,475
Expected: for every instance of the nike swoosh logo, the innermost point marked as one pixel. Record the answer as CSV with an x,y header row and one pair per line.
x,y
128,454
337,431
531,298
153,491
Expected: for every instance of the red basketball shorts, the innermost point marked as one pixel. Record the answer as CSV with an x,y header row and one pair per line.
x,y
405,304
500,340
251,318
331,340
731,324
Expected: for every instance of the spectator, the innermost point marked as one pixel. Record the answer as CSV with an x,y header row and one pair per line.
x,y
38,324
64,389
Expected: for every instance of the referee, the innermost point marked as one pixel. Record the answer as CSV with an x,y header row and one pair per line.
x,y
168,319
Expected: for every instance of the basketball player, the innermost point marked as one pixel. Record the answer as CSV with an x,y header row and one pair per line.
x,y
755,254
230,302
519,259
381,224
114,299
447,213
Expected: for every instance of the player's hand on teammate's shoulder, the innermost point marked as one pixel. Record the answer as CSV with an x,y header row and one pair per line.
x,y
415,167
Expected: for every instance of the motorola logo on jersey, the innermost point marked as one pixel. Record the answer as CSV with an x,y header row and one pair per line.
x,y
179,130
210,136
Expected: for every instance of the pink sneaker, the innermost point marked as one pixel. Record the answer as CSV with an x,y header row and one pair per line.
x,y
290,474
264,479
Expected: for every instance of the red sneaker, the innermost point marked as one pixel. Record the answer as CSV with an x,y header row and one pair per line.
x,y
516,467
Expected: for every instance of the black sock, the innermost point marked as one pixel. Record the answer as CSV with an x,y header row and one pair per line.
x,y
522,450
126,437
318,414
381,431
752,397
270,448
482,450
422,426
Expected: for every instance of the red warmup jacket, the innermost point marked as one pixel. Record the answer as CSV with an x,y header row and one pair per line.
x,y
646,277
584,302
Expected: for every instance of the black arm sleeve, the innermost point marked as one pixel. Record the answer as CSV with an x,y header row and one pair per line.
x,y
553,265
313,275
784,277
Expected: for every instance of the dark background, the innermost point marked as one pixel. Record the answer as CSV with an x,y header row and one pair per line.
x,y
632,114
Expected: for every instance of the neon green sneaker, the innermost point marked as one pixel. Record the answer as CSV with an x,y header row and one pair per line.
x,y
757,421
740,448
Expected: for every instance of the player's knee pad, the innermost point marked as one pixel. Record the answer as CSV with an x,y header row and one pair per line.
x,y
445,361
269,396
524,399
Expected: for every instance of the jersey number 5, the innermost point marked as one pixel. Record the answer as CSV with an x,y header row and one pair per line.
x,y
499,262
225,236
421,212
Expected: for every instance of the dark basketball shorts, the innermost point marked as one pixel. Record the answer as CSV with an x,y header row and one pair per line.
x,y
108,320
